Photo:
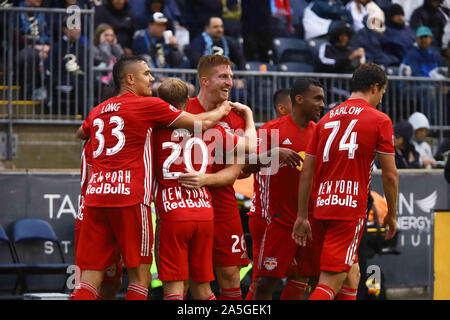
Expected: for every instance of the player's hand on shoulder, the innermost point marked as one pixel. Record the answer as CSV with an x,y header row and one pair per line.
x,y
241,108
225,108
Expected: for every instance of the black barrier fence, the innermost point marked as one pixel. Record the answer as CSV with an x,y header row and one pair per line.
x,y
54,198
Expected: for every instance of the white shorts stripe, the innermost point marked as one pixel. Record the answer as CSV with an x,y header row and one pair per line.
x,y
145,242
352,248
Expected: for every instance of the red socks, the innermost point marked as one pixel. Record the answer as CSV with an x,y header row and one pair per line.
x,y
85,291
230,294
347,294
173,296
322,292
251,292
294,290
136,292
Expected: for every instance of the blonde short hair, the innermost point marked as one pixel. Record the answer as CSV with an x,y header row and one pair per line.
x,y
174,91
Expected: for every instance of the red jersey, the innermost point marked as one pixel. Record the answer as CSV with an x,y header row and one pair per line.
x,y
278,192
86,160
121,133
223,198
344,146
176,152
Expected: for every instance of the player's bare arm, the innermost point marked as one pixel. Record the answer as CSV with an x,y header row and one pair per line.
x,y
206,119
253,163
248,143
81,134
302,230
389,177
224,177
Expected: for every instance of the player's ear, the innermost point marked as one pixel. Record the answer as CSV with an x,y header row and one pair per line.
x,y
203,81
298,99
129,78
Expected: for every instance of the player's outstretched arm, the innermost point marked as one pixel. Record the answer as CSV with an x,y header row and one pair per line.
x,y
253,162
203,120
389,177
224,177
302,230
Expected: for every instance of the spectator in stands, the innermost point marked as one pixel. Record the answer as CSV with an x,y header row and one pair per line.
x,y
443,150
255,20
298,7
406,156
281,21
357,8
398,37
231,16
322,16
144,9
423,61
117,14
420,126
408,6
336,55
369,38
34,47
70,53
106,49
432,15
159,47
197,14
213,41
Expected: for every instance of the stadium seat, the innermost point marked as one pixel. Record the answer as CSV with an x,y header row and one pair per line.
x,y
259,66
295,67
10,271
292,50
38,247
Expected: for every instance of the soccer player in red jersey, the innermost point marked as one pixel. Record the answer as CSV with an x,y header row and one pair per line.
x,y
113,274
257,221
119,190
230,253
339,160
185,229
279,195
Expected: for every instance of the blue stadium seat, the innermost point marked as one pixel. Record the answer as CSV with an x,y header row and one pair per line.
x,y
292,50
295,67
10,271
38,247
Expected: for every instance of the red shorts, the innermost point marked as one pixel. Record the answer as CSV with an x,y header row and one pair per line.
x,y
184,250
340,242
278,250
307,259
257,226
115,270
229,243
105,229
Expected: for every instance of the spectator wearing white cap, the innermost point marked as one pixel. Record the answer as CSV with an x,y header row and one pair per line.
x,y
421,125
157,44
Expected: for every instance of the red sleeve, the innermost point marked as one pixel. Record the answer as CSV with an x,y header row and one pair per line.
x,y
86,126
263,142
311,149
88,151
385,143
160,112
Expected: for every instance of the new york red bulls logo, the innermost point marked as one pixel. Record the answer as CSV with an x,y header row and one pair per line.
x,y
270,263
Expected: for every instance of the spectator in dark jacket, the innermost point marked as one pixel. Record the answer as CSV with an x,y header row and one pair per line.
x,y
255,19
430,14
336,55
150,42
406,156
213,41
398,37
143,9
198,12
117,14
370,40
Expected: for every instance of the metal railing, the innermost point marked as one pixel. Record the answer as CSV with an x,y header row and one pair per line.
x,y
64,86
